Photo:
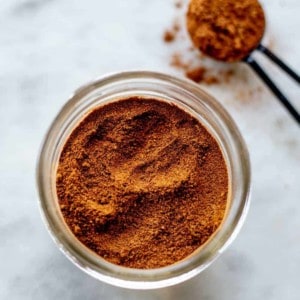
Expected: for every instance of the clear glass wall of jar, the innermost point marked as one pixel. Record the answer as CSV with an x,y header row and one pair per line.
x,y
192,99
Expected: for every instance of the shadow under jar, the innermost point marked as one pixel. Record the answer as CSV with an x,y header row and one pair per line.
x,y
189,98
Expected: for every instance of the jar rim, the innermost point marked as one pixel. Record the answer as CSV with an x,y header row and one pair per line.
x,y
89,261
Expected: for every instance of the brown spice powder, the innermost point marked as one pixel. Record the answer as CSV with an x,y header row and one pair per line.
x,y
199,74
171,34
226,30
177,62
142,183
196,74
178,4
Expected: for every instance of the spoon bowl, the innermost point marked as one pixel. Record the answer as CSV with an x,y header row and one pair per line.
x,y
230,31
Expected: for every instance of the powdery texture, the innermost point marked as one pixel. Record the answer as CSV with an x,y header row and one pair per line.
x,y
226,30
142,183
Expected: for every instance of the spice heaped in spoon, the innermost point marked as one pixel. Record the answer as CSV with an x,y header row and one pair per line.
x,y
230,30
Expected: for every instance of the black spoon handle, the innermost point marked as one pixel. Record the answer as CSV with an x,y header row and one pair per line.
x,y
279,62
261,73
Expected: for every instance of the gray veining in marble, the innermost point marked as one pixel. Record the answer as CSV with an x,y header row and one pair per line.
x,y
50,47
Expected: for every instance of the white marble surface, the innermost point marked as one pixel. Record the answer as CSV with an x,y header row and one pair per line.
x,y
50,47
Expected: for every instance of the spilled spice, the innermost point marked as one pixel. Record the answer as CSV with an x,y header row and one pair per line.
x,y
227,75
142,183
196,74
226,30
211,80
178,4
200,75
177,62
171,34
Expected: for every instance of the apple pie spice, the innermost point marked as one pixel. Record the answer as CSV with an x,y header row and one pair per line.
x,y
226,30
142,183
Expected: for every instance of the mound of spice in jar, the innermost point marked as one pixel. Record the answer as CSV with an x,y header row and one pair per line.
x,y
142,183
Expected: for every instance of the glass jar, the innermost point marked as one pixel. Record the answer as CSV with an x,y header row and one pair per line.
x,y
192,99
